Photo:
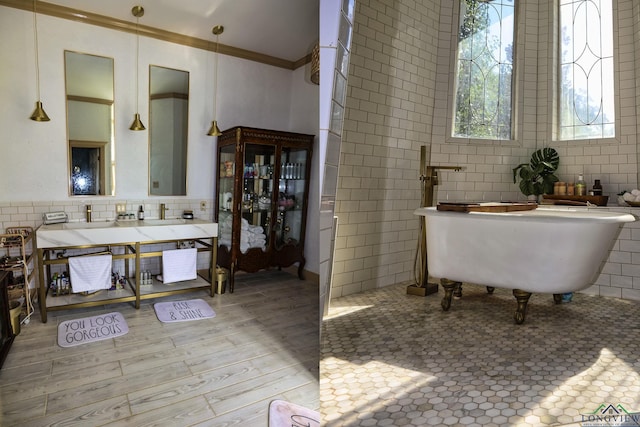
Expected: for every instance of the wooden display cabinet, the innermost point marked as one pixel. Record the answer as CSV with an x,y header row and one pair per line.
x,y
261,199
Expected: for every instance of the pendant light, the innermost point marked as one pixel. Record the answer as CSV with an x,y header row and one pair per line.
x,y
137,11
38,114
215,130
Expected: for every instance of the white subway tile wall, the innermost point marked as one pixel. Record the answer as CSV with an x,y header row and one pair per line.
x,y
399,98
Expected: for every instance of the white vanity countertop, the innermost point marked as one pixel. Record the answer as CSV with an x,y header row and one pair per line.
x,y
113,232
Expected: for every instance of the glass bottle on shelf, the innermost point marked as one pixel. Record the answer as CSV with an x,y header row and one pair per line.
x,y
581,186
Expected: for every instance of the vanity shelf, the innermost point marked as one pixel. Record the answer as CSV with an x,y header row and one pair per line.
x,y
204,236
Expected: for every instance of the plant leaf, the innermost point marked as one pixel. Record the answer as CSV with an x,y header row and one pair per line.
x,y
517,169
526,186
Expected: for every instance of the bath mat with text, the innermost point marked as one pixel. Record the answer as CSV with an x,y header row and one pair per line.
x,y
91,329
287,414
182,311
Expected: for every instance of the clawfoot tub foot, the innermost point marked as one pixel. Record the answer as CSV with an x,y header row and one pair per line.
x,y
449,286
490,289
457,292
522,299
557,298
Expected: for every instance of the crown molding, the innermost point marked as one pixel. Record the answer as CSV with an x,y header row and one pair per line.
x,y
156,33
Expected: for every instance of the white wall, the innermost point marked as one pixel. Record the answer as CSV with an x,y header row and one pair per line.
x,y
33,177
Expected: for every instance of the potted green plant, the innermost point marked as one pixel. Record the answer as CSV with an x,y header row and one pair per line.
x,y
538,176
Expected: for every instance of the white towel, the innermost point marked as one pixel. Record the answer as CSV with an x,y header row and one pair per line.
x,y
90,273
179,264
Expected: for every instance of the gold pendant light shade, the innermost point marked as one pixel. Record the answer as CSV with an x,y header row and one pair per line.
x,y
137,11
39,114
215,130
137,123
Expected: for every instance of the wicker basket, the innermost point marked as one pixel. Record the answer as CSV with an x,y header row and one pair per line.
x,y
15,292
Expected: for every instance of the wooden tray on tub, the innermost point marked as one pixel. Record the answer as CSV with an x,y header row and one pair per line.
x,y
557,199
486,206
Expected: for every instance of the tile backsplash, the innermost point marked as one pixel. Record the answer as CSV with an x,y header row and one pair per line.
x,y
30,213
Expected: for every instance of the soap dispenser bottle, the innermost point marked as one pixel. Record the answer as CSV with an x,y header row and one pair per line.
x,y
141,212
597,188
581,186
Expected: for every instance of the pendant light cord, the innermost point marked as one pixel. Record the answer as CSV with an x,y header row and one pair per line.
x,y
137,65
35,42
215,82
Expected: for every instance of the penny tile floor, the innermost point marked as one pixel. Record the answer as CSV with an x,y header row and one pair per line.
x,y
392,359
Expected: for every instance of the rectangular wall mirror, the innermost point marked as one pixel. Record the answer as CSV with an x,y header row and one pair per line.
x,y
90,112
168,118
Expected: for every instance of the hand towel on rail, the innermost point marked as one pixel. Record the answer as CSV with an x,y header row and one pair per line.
x,y
90,272
179,264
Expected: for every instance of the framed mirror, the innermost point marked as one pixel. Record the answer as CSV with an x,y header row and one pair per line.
x,y
90,112
168,118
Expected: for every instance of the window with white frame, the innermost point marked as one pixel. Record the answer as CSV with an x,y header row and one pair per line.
x,y
484,70
586,82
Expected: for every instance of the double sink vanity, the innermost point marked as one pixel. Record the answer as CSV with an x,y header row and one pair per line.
x,y
130,241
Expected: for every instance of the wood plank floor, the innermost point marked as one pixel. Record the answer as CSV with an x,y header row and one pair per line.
x,y
261,345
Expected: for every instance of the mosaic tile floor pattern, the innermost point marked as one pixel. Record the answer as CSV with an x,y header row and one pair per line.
x,y
392,359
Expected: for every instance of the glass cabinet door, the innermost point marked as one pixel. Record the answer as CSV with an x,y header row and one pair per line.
x,y
257,196
225,193
291,196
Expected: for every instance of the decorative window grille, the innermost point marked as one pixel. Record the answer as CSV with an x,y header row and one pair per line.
x,y
484,70
586,82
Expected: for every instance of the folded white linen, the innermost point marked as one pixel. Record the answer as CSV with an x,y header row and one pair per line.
x,y
256,229
90,272
179,264
258,239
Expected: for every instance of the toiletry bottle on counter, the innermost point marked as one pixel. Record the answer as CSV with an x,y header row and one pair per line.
x,y
141,212
581,186
597,188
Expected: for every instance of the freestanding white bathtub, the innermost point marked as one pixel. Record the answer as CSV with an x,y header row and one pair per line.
x,y
548,249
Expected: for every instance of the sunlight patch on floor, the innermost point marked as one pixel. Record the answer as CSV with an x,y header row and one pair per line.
x,y
592,390
335,312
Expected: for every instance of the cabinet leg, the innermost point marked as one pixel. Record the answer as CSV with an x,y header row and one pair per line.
x,y
231,277
43,313
301,269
